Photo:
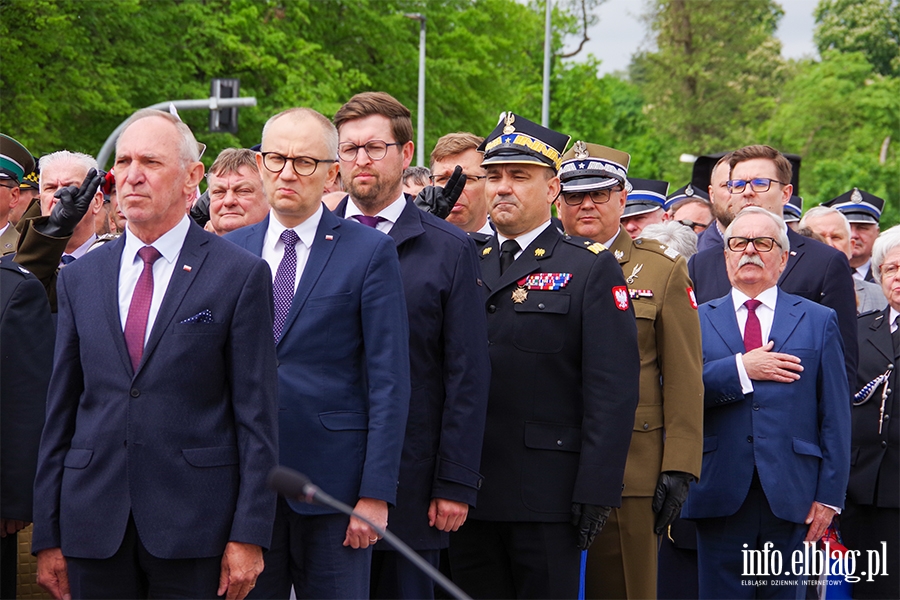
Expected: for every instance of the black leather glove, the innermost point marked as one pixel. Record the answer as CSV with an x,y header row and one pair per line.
x,y
439,201
589,519
72,206
671,492
200,210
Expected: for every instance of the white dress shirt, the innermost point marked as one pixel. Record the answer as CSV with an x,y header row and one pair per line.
x,y
765,312
894,315
525,239
273,247
130,268
861,271
82,250
389,213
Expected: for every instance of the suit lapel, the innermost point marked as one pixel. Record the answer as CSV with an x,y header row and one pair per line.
x,y
881,338
409,225
319,254
787,316
490,264
109,271
797,242
621,246
256,236
724,321
193,253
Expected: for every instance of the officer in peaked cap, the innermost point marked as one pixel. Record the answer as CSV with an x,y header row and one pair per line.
x,y
690,206
792,211
666,444
645,205
15,163
682,194
29,194
863,210
561,407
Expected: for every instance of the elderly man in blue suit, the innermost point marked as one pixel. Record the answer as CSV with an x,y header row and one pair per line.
x,y
343,375
161,415
448,345
777,424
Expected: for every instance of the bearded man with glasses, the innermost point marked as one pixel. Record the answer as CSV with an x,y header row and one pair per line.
x,y
666,443
760,176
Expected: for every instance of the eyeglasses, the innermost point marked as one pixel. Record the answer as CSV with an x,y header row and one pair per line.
x,y
442,180
375,149
757,184
303,166
597,196
762,244
693,225
9,187
890,271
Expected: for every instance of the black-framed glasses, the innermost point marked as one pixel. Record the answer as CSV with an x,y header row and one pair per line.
x,y
442,180
596,196
9,187
757,184
303,166
694,225
375,149
762,244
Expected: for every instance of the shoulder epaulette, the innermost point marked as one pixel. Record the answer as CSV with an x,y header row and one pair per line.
x,y
657,248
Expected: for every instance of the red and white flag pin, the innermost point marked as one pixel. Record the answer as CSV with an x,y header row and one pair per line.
x,y
187,268
329,237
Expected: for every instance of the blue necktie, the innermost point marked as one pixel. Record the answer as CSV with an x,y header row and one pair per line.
x,y
283,287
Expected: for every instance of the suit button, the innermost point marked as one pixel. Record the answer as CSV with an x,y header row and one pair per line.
x,y
755,406
492,308
541,306
646,426
135,393
884,444
750,438
559,442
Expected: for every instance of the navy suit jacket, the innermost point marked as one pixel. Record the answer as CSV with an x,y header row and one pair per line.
x,y
814,271
343,366
797,434
449,368
185,442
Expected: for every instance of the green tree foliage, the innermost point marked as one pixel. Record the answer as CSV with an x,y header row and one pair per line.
x,y
868,26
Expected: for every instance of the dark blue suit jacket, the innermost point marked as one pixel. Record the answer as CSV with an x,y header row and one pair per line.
x,y
343,367
449,368
797,434
185,442
814,271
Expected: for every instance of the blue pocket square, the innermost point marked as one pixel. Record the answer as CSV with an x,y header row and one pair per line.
x,y
200,317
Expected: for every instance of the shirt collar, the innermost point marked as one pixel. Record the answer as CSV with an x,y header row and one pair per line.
x,y
894,315
82,249
612,240
168,244
306,230
389,213
767,297
486,228
526,238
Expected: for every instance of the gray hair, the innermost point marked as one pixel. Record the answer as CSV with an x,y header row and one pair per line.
x,y
190,149
817,212
673,234
329,131
420,175
64,156
781,237
886,241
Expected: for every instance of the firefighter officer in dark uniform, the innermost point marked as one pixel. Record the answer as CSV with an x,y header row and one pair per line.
x,y
564,385
667,442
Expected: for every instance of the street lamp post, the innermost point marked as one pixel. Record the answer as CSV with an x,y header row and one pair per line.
x,y
420,128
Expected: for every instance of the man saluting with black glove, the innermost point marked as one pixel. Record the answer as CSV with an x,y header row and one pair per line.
x,y
70,197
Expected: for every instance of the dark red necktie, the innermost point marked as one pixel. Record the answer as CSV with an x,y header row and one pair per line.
x,y
752,329
136,322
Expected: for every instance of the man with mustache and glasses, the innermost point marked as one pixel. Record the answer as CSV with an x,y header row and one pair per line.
x,y
776,425
449,364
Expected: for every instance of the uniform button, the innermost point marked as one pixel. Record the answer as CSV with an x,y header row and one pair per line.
x,y
750,438
755,406
135,393
884,444
492,308
541,306
559,442
646,426
480,481
886,417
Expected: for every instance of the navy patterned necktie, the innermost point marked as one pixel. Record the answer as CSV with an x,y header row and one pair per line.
x,y
283,288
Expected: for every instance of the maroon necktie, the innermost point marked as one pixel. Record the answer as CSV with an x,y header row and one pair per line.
x,y
136,322
369,221
752,329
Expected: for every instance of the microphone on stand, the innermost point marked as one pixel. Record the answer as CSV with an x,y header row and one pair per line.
x,y
294,485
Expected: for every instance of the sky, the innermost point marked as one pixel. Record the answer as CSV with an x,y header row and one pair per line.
x,y
620,32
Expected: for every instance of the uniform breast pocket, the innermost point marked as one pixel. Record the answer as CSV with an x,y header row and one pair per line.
x,y
540,322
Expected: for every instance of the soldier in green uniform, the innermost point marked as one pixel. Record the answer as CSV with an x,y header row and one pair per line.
x,y
666,445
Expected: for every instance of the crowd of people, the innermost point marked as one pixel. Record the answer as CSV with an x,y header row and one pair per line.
x,y
548,378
